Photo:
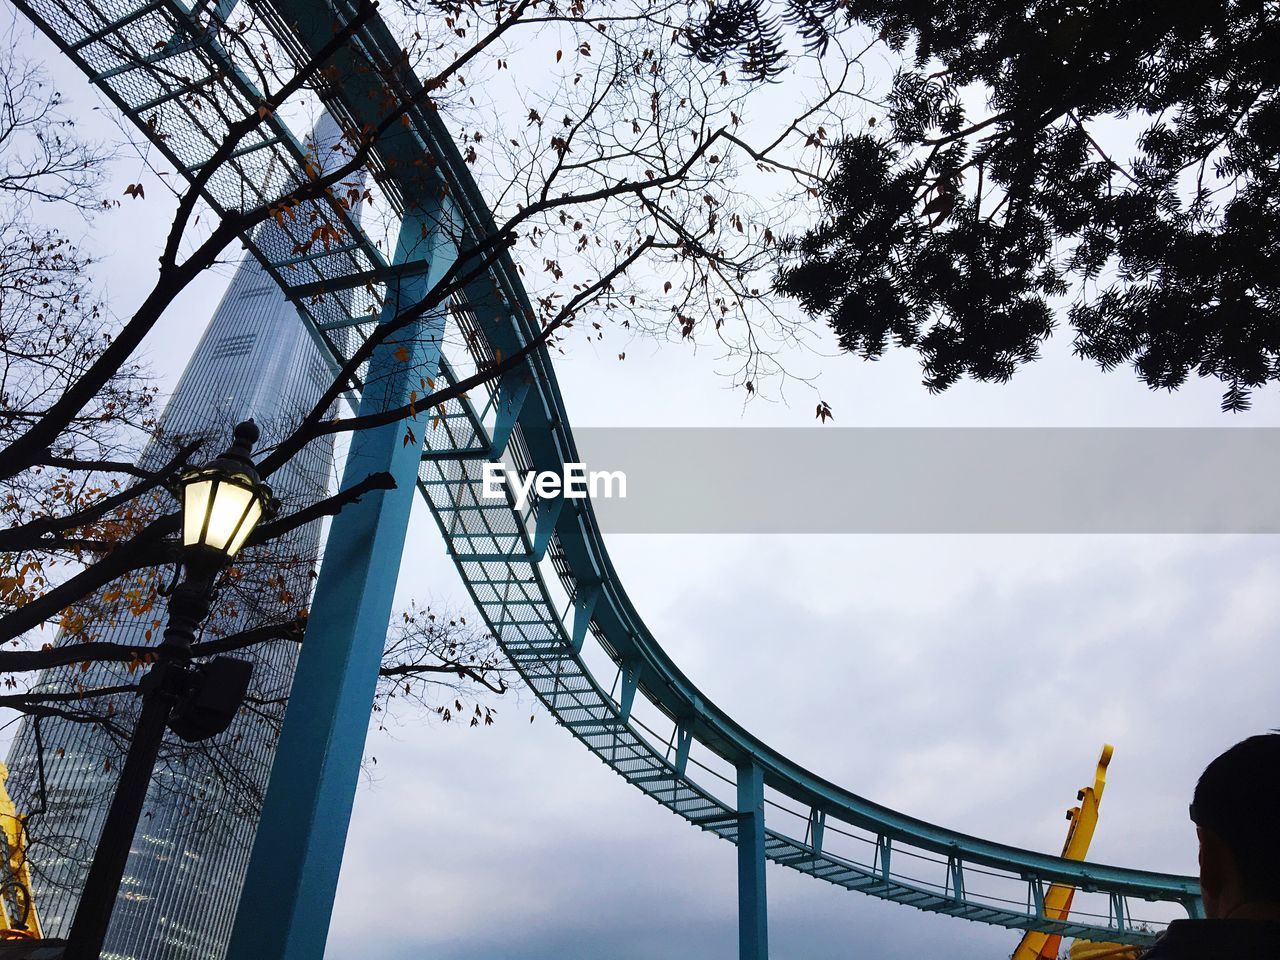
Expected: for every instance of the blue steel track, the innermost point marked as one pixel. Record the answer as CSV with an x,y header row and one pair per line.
x,y
541,576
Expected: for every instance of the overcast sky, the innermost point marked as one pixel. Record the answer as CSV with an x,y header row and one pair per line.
x,y
969,680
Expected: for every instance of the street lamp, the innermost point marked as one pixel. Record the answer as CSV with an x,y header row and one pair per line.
x,y
222,502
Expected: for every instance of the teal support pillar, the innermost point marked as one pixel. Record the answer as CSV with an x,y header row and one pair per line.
x,y
287,899
753,922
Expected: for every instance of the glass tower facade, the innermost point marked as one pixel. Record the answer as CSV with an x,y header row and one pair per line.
x,y
189,856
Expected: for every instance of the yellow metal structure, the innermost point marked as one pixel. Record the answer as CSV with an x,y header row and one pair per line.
x,y
18,919
1089,950
1057,899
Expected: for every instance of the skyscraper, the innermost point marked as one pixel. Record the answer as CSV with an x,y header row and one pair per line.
x,y
187,865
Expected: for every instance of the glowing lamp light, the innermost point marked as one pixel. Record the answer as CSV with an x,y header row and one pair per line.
x,y
223,501
218,512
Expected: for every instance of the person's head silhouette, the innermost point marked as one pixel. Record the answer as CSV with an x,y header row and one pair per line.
x,y
1236,810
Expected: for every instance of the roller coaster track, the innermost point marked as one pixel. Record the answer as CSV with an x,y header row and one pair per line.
x,y
541,575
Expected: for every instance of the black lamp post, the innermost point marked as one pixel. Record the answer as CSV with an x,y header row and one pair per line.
x,y
221,504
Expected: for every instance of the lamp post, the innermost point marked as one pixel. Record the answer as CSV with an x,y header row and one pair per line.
x,y
221,504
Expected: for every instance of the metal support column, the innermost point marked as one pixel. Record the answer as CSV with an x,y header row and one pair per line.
x,y
287,899
753,923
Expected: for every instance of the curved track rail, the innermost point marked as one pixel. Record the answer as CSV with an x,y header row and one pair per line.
x,y
541,576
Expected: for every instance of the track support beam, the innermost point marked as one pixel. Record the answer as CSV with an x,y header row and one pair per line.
x,y
684,739
584,605
288,895
509,400
817,826
753,923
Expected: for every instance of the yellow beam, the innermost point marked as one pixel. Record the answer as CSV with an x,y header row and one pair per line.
x,y
1057,899
1089,950
18,919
